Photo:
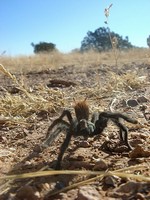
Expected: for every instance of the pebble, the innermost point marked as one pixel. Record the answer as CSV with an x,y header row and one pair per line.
x,y
132,102
111,180
138,152
130,187
88,193
142,99
136,142
27,193
101,165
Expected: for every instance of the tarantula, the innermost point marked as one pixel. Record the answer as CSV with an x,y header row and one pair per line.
x,y
82,126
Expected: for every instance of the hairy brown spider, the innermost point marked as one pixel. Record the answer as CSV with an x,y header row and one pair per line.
x,y
82,126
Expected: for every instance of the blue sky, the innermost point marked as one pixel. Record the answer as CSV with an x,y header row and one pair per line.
x,y
66,22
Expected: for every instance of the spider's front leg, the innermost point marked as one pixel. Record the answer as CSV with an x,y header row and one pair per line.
x,y
51,137
61,121
63,148
63,125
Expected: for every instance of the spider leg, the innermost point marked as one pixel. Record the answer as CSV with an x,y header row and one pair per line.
x,y
100,123
123,128
63,149
67,113
55,122
117,116
60,120
51,137
121,135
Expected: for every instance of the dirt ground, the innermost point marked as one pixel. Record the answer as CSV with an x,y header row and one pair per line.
x,y
105,88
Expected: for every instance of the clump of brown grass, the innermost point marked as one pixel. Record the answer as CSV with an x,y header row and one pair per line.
x,y
127,81
20,108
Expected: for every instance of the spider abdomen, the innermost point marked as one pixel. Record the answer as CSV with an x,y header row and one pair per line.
x,y
81,110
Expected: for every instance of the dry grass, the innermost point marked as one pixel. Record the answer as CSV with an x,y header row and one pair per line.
x,y
98,175
15,109
18,109
125,82
55,60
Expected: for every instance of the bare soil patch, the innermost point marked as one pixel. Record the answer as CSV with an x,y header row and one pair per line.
x,y
106,87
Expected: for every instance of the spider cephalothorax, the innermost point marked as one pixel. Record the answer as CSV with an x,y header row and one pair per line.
x,y
82,126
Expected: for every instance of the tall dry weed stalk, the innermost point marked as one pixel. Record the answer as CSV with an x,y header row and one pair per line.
x,y
113,40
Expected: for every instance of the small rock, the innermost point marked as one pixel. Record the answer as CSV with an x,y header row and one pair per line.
x,y
111,180
130,187
46,186
139,152
62,196
3,139
82,144
143,136
75,157
109,145
122,148
80,154
37,194
27,163
132,102
26,193
88,193
38,148
81,164
142,99
124,103
136,142
13,90
101,165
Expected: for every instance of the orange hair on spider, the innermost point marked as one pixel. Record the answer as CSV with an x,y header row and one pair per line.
x,y
81,110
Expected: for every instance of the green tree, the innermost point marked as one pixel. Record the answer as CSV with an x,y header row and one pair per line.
x,y
43,47
148,41
99,40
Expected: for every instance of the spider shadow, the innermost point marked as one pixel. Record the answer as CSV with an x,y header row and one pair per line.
x,y
25,166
